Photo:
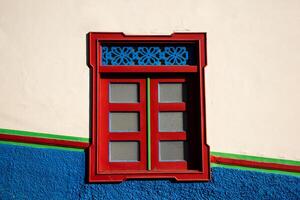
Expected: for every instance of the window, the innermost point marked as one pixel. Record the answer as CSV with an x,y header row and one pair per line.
x,y
148,114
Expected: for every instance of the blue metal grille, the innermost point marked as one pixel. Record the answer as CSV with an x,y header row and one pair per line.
x,y
154,55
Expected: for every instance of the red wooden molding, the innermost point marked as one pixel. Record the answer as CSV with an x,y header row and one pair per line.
x,y
44,141
145,69
254,164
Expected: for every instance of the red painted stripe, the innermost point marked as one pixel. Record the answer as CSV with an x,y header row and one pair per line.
x,y
213,159
45,141
254,164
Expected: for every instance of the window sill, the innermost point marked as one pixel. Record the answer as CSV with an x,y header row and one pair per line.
x,y
119,176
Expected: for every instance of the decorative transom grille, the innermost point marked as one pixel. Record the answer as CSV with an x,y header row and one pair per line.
x,y
147,55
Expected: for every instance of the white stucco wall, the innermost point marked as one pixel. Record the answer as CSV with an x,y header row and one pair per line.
x,y
252,77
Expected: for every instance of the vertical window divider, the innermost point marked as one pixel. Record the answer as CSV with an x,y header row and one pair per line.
x,y
148,124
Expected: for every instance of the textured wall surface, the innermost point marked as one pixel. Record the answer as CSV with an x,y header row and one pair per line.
x,y
31,173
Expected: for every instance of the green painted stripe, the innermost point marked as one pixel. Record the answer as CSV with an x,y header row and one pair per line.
x,y
41,146
256,158
80,139
256,169
148,124
212,164
43,135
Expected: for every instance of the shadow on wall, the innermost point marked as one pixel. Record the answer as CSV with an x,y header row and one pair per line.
x,y
91,83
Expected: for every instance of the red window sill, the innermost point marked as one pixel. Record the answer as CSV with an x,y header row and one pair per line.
x,y
184,175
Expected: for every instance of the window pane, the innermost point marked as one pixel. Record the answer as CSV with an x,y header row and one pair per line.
x,y
172,92
124,121
172,121
172,150
123,92
124,151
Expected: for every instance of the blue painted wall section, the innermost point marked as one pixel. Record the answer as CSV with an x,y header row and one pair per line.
x,y
33,173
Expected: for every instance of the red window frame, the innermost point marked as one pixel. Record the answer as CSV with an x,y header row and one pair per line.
x,y
104,135
158,136
100,170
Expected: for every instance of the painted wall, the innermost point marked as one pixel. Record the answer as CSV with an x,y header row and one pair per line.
x,y
253,73
27,175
